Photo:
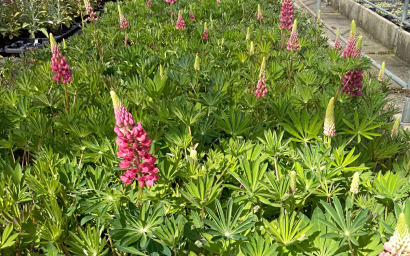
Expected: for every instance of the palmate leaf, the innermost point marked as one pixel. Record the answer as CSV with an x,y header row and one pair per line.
x,y
154,88
321,246
212,100
226,227
277,189
342,159
172,231
254,172
178,136
233,122
88,241
342,224
274,144
287,230
259,246
369,245
7,238
167,170
390,187
359,129
202,192
51,250
187,114
135,227
236,147
303,127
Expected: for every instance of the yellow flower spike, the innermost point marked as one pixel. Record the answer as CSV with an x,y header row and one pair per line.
x,y
295,26
161,71
329,128
52,40
115,101
251,49
263,65
359,43
353,29
395,129
196,64
292,182
248,34
354,187
381,73
120,11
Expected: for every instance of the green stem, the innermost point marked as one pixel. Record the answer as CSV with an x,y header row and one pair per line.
x,y
139,196
351,247
66,99
276,167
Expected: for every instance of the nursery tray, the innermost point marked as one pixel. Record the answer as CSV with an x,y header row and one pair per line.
x,y
25,44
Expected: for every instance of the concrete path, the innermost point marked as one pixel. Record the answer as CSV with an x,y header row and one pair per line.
x,y
370,47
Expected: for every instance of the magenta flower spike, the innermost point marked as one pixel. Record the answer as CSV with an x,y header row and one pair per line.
x,y
171,1
205,35
92,16
337,41
286,16
218,2
134,145
149,3
358,47
191,16
59,66
293,43
261,89
353,80
123,21
180,22
350,50
352,83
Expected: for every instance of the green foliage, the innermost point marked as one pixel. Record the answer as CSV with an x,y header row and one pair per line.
x,y
238,175
345,227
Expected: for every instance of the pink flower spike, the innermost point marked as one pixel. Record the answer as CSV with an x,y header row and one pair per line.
x,y
293,43
337,41
353,80
205,35
191,16
149,3
350,50
180,22
134,145
286,16
59,66
92,16
261,88
123,21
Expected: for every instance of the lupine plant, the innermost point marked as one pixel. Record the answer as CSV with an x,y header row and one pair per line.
x,y
211,140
